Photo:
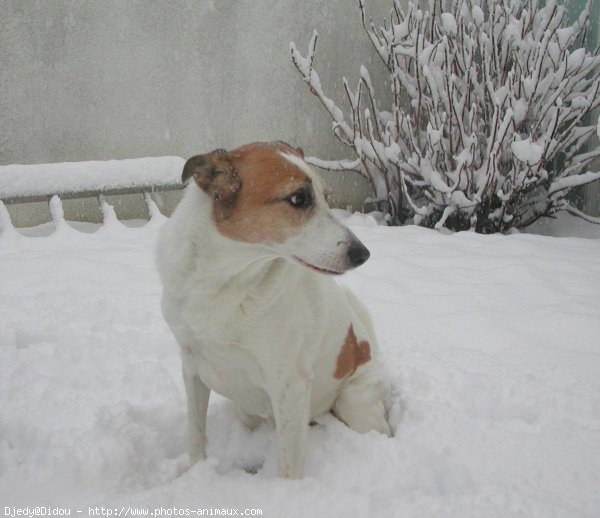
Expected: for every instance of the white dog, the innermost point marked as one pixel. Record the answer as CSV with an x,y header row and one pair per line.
x,y
243,262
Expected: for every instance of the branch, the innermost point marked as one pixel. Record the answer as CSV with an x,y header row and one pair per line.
x,y
569,182
304,66
336,165
576,212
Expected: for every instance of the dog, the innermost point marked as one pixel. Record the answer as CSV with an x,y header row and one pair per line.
x,y
247,263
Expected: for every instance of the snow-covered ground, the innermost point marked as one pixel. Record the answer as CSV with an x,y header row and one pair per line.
x,y
493,343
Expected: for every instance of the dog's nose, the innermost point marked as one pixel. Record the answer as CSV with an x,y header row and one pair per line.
x,y
357,254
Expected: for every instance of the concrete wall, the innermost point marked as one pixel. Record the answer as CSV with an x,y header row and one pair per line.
x,y
100,79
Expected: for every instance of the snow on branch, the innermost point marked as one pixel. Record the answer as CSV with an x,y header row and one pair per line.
x,y
486,125
576,212
305,67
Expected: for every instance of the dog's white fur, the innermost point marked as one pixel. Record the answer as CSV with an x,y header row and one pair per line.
x,y
264,330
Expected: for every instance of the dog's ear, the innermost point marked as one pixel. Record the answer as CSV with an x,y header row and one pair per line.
x,y
214,173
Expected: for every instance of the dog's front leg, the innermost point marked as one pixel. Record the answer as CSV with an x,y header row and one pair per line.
x,y
291,411
197,407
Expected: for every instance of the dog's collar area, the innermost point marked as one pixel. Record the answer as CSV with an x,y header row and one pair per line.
x,y
316,268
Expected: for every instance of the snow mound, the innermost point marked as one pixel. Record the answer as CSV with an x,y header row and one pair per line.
x,y
491,342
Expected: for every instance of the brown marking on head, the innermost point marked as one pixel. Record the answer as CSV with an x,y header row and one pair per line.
x,y
250,187
352,355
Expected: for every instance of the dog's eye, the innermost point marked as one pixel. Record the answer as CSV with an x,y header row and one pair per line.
x,y
300,199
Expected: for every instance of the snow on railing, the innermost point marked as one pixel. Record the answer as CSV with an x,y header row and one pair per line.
x,y
23,184
38,181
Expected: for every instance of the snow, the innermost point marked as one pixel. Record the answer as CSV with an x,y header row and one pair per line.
x,y
36,179
491,342
478,15
527,151
564,35
519,107
513,30
449,23
573,181
576,58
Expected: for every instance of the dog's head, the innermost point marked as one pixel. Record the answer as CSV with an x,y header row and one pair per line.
x,y
266,194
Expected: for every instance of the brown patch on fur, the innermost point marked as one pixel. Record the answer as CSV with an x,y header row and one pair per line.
x,y
259,213
352,355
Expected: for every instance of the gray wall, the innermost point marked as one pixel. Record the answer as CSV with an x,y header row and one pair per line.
x,y
88,80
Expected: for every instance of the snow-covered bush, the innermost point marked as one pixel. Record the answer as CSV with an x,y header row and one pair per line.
x,y
487,124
